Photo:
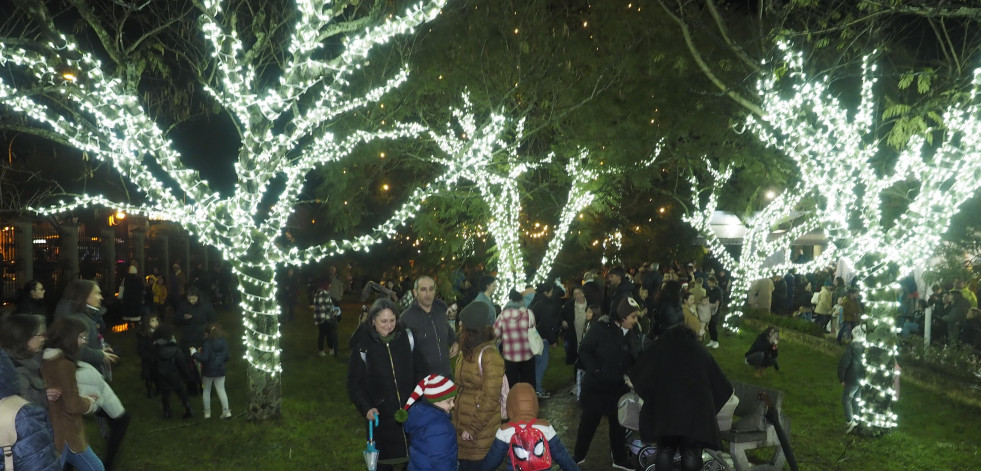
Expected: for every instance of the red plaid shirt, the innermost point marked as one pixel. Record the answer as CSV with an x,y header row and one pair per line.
x,y
512,328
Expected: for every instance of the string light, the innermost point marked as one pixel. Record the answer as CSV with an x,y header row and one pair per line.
x,y
835,151
311,93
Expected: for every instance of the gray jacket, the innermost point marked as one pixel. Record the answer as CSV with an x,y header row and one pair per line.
x,y
433,336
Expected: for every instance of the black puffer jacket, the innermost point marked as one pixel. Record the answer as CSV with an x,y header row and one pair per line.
x,y
382,375
605,355
169,364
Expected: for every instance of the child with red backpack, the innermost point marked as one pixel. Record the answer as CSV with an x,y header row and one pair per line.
x,y
529,443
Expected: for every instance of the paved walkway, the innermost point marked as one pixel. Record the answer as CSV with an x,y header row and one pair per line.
x,y
563,411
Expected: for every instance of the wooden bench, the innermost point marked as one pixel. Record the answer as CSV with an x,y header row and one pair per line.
x,y
751,430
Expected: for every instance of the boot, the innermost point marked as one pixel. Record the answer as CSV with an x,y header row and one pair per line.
x,y
187,411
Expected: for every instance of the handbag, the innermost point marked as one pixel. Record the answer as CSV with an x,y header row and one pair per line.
x,y
535,339
628,410
505,387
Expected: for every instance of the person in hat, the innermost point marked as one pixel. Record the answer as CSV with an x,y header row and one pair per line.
x,y
606,353
426,417
479,375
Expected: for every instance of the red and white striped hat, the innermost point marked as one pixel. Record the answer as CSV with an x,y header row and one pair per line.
x,y
433,388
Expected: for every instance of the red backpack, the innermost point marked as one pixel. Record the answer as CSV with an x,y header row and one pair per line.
x,y
528,448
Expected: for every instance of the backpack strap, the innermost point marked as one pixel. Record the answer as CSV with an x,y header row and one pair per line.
x,y
9,406
480,363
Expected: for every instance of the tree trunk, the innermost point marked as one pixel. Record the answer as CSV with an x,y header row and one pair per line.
x,y
260,314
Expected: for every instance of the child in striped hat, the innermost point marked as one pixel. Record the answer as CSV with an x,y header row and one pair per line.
x,y
432,438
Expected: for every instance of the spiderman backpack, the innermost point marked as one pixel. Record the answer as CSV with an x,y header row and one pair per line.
x,y
528,448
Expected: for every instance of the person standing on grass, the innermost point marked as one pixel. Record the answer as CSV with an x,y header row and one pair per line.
x,y
434,334
65,339
384,367
326,315
850,373
213,356
170,370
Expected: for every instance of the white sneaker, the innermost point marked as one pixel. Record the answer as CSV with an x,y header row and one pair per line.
x,y
850,426
227,414
207,414
714,344
322,354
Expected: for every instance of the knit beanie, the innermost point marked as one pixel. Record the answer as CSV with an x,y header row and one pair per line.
x,y
627,306
433,388
474,316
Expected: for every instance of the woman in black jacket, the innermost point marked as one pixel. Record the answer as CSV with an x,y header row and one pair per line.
x,y
605,355
669,311
383,370
683,389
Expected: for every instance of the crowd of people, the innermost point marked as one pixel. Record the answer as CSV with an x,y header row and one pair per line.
x,y
494,357
59,361
454,383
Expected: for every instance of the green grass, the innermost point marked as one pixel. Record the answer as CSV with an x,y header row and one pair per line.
x,y
320,429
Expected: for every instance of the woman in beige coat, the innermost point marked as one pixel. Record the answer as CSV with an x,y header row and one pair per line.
x,y
479,376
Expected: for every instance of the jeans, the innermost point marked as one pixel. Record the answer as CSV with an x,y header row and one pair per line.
x,y
846,328
541,362
219,383
84,461
713,327
849,399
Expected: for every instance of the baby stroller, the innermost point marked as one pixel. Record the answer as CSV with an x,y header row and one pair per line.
x,y
628,414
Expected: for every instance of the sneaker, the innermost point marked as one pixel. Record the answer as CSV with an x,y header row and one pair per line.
x,y
543,395
624,465
322,354
227,414
579,460
850,426
207,414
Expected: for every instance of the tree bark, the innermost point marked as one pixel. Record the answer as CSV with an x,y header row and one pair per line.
x,y
262,338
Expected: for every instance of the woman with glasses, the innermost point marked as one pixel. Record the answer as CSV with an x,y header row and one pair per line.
x,y
22,339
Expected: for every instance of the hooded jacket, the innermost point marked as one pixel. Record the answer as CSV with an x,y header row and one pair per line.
x,y
65,413
169,364
522,406
683,389
432,439
34,448
213,357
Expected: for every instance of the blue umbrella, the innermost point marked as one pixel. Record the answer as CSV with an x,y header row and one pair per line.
x,y
370,452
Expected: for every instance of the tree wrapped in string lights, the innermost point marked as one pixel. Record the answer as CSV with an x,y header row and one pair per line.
x,y
842,158
486,153
286,131
770,232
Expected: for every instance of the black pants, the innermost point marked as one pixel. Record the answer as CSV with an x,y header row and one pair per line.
x,y
591,417
181,393
520,371
713,327
327,333
760,360
691,454
117,431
